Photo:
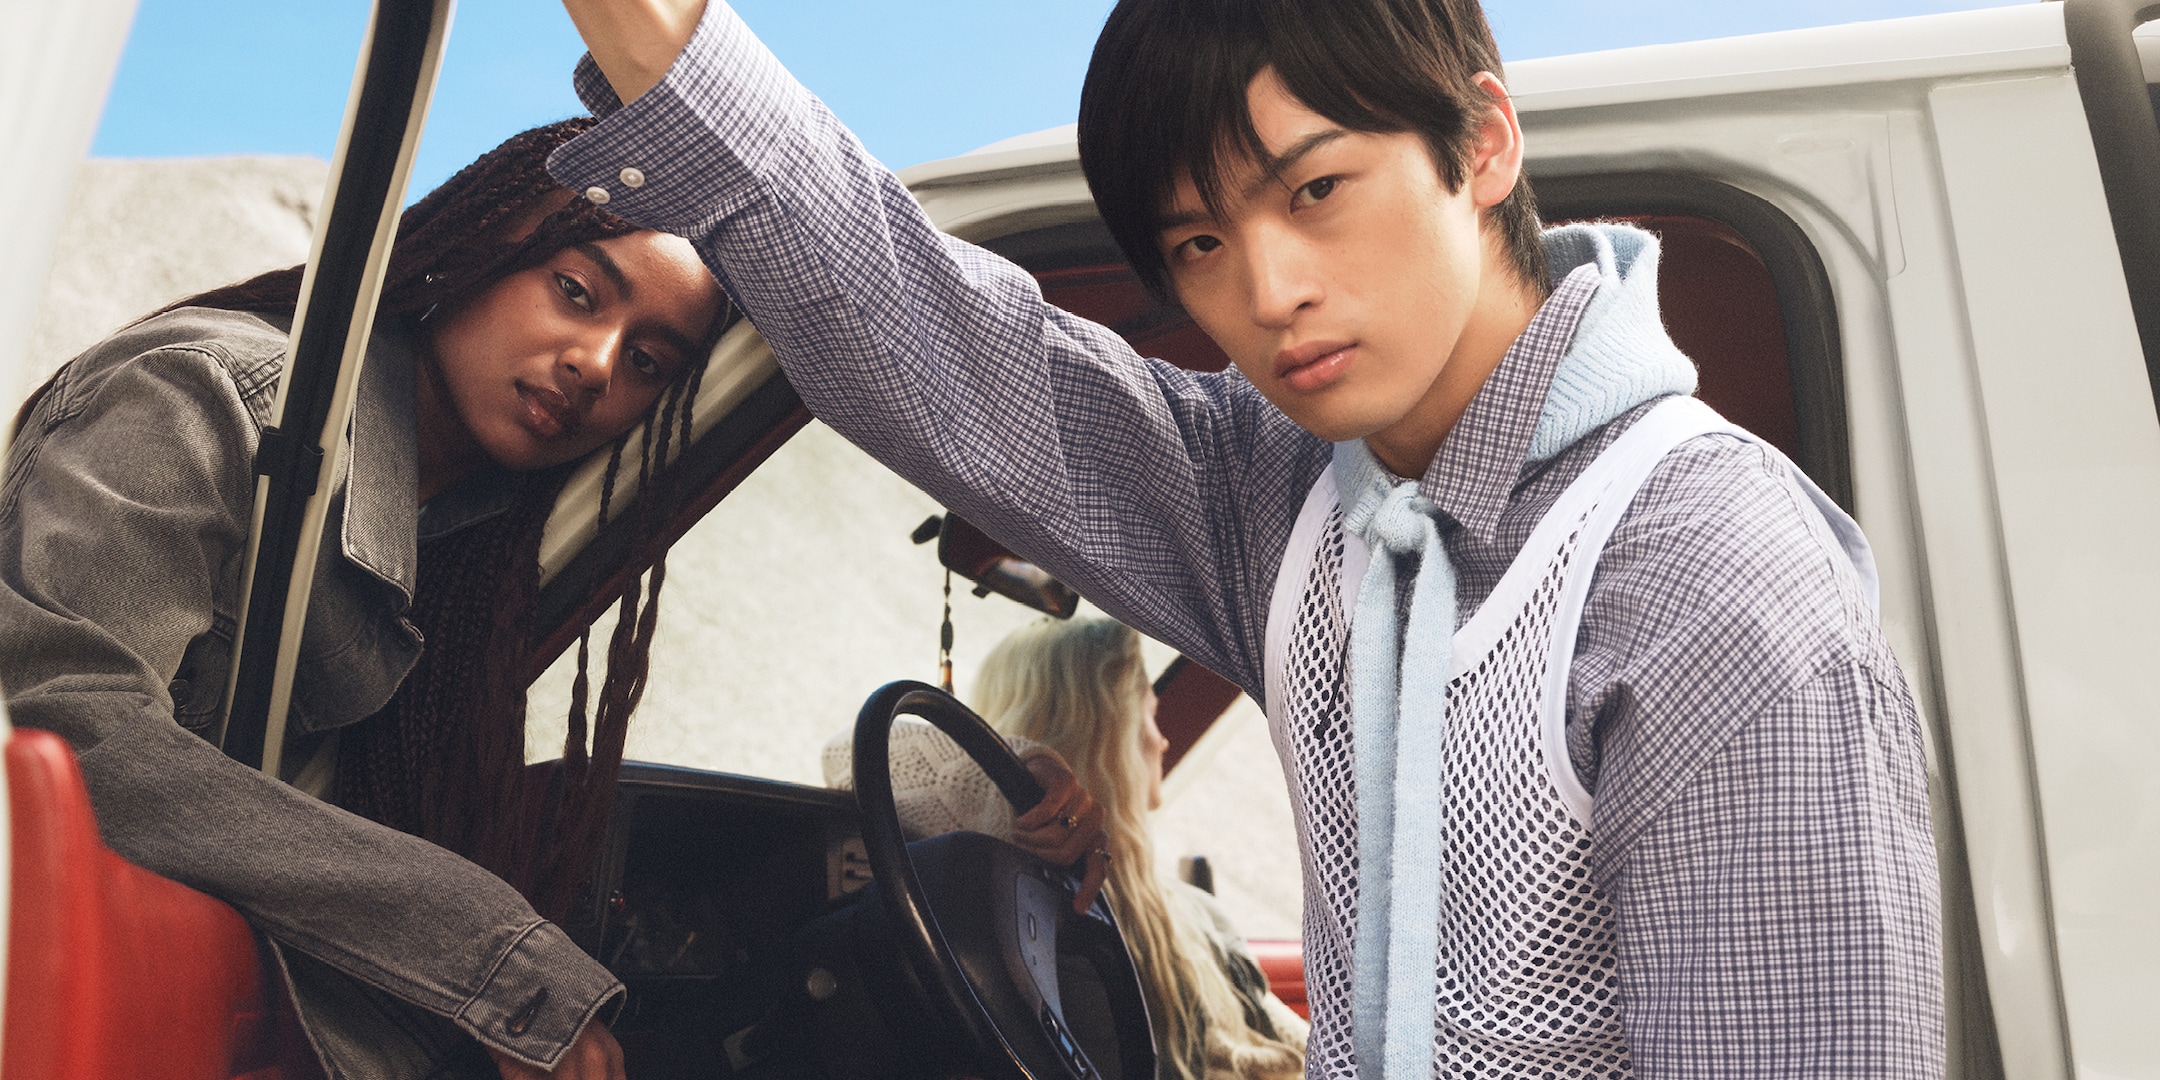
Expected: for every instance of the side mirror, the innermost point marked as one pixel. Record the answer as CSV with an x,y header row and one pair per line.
x,y
971,553
1195,871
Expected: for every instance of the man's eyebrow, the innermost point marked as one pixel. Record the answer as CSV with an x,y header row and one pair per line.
x,y
607,266
1272,170
1183,218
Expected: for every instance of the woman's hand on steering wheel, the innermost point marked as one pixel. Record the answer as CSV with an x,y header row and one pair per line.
x,y
594,1056
1066,826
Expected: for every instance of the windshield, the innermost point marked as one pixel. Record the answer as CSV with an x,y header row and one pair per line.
x,y
784,608
802,592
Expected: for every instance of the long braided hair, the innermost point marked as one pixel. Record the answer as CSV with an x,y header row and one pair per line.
x,y
445,758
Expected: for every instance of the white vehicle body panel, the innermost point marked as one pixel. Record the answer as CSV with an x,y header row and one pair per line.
x,y
2004,447
56,64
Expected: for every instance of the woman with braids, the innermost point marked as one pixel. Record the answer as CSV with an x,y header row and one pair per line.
x,y
400,875
1075,691
520,328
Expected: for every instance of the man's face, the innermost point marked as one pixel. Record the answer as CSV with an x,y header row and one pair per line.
x,y
1342,276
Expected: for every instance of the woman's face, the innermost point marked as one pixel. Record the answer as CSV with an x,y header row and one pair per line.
x,y
558,359
1152,746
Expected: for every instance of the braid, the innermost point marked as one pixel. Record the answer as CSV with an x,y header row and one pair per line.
x,y
586,780
445,758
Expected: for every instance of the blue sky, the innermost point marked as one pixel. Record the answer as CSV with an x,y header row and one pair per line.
x,y
917,81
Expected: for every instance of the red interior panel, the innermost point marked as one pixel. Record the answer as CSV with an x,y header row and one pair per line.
x,y
1283,962
113,972
1188,699
1111,295
1722,310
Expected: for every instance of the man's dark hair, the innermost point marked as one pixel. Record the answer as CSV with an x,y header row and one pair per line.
x,y
1166,88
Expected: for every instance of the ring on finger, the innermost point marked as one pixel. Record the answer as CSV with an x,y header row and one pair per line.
x,y
1069,821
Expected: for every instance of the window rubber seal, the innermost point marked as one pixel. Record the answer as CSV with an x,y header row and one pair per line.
x,y
2119,108
1807,306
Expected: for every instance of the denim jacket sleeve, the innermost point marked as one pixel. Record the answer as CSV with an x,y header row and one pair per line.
x,y
1164,496
123,519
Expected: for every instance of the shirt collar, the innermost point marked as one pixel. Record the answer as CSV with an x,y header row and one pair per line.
x,y
1472,476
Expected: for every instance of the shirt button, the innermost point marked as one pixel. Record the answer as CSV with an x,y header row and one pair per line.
x,y
596,195
633,177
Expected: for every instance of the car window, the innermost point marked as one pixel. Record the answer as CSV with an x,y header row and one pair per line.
x,y
1226,800
1721,308
802,592
784,607
1745,295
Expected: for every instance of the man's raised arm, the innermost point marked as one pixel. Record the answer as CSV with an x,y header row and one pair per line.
x,y
1130,479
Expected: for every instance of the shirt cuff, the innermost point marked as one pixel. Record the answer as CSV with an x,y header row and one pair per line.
x,y
689,151
593,88
539,997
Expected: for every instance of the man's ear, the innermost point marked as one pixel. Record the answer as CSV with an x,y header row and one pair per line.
x,y
1496,157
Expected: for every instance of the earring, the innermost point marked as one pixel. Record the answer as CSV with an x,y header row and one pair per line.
x,y
432,277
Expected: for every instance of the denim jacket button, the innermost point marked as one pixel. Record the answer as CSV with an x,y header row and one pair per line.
x,y
179,690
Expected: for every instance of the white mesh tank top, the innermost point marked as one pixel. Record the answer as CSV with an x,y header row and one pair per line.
x,y
1526,984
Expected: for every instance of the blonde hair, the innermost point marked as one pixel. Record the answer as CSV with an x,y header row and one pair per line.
x,y
1079,687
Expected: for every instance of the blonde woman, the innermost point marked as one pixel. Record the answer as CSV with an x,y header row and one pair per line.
x,y
1077,690
1078,687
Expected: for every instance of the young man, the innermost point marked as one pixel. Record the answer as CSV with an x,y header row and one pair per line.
x,y
1601,764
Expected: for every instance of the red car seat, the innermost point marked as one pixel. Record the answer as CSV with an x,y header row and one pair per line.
x,y
114,972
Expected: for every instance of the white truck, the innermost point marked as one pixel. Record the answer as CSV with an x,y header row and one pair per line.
x,y
1923,256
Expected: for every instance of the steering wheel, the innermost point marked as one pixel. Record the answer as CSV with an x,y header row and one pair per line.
x,y
1029,989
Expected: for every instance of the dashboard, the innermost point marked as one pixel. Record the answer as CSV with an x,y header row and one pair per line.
x,y
704,882
729,908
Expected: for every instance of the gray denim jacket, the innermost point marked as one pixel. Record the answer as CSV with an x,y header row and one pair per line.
x,y
123,523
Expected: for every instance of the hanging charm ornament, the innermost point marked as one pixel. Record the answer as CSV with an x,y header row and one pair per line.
x,y
945,638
